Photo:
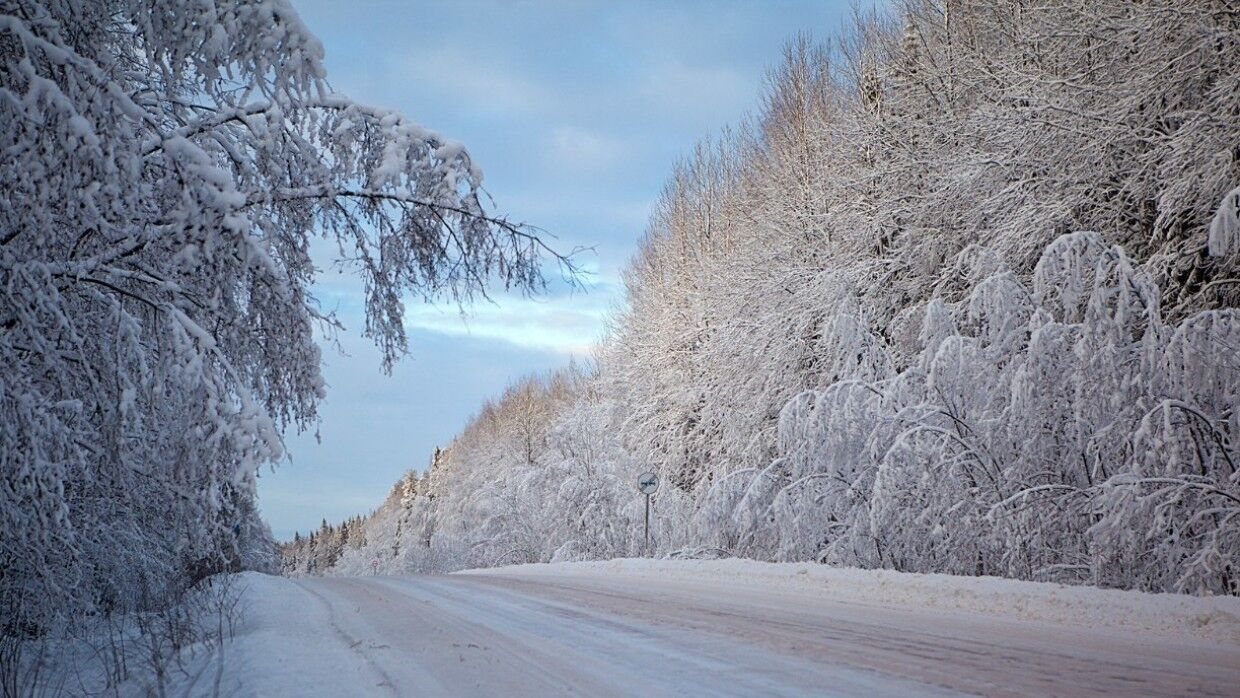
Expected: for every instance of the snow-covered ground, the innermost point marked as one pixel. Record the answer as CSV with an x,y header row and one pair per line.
x,y
729,627
1174,615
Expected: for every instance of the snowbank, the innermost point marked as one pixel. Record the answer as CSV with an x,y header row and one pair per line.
x,y
1211,618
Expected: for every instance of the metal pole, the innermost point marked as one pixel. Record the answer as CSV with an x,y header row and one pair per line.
x,y
647,525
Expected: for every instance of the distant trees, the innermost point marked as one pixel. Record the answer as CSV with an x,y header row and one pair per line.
x,y
961,298
168,168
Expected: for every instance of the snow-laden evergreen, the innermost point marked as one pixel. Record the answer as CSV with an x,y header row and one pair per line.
x,y
167,166
961,298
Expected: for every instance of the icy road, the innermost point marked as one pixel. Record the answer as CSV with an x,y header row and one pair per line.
x,y
729,628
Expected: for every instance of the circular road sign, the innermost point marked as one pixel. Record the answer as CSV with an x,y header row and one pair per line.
x,y
647,483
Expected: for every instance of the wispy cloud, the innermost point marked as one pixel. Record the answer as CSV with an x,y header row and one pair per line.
x,y
568,324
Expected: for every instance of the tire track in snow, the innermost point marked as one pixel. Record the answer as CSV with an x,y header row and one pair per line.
x,y
349,641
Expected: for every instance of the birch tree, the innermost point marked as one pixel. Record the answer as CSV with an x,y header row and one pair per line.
x,y
168,169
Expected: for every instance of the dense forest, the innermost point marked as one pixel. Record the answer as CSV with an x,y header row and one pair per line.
x,y
962,297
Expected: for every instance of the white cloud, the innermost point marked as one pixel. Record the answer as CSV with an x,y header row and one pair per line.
x,y
569,325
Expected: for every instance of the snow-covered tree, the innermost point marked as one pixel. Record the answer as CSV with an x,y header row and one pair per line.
x,y
960,298
168,169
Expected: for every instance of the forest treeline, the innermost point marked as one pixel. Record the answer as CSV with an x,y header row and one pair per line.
x,y
961,298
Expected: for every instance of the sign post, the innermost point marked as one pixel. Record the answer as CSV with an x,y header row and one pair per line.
x,y
647,484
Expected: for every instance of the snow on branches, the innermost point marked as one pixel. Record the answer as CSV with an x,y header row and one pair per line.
x,y
166,168
962,298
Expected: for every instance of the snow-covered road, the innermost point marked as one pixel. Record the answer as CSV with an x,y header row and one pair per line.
x,y
595,630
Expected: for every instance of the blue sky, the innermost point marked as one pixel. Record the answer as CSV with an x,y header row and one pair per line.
x,y
576,113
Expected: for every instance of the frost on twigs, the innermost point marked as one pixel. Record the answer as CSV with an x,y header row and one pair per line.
x,y
165,168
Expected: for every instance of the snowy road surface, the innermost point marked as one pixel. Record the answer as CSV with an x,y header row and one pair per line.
x,y
632,630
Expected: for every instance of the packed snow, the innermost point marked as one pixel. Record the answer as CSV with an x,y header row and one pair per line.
x,y
721,627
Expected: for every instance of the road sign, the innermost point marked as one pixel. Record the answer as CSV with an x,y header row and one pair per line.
x,y
647,484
